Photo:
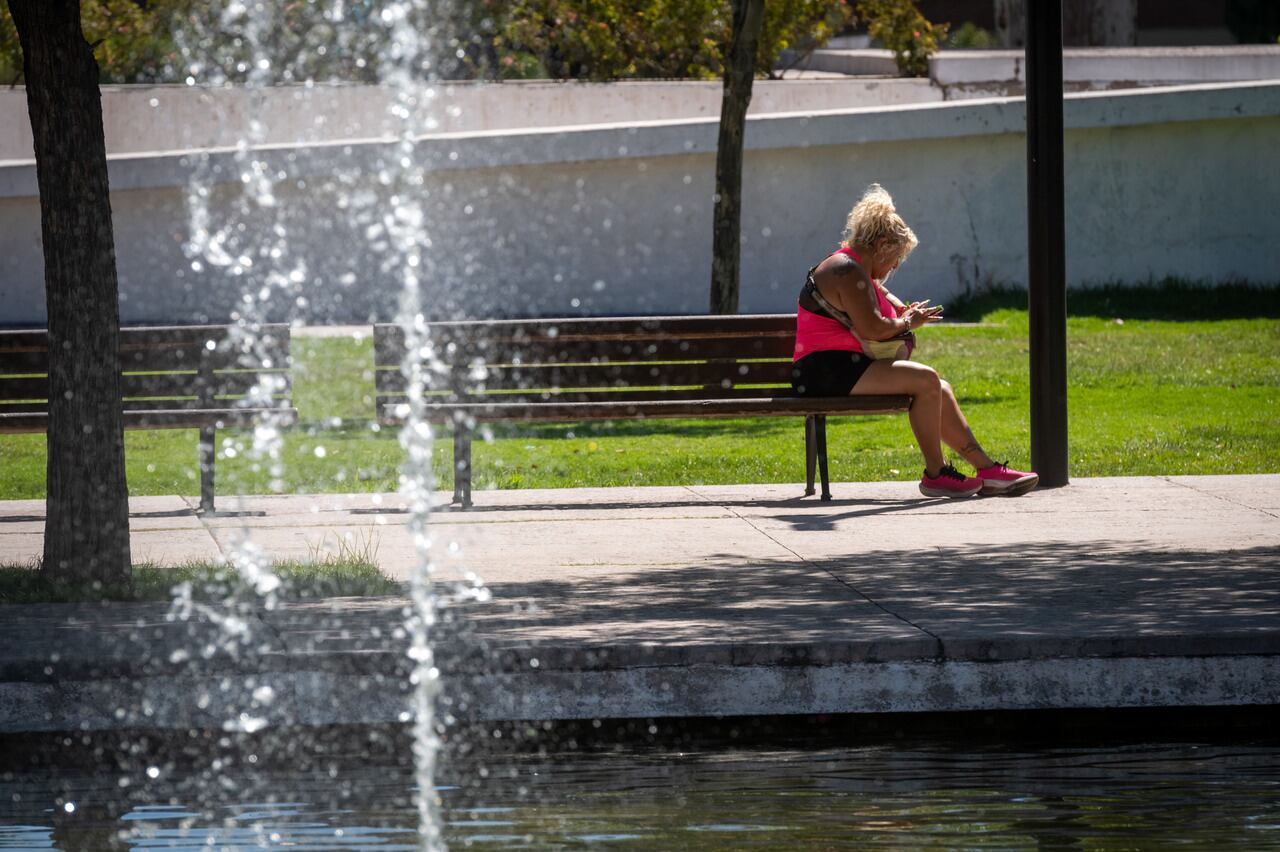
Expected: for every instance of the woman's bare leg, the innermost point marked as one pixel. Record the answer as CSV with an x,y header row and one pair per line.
x,y
921,383
956,432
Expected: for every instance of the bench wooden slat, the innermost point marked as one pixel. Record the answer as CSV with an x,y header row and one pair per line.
x,y
14,423
570,412
221,384
723,375
169,345
25,387
600,395
138,360
7,407
590,328
477,350
161,404
143,335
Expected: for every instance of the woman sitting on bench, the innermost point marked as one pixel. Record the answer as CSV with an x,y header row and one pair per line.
x,y
853,336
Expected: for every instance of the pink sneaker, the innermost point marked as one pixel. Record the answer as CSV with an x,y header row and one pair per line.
x,y
1000,479
949,483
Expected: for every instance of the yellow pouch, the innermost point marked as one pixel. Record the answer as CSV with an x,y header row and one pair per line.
x,y
888,350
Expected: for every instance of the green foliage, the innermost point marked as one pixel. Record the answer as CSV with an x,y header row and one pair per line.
x,y
137,40
899,26
10,50
616,39
799,26
132,39
970,35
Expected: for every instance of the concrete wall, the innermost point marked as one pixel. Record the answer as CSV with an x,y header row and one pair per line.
x,y
144,119
147,119
616,219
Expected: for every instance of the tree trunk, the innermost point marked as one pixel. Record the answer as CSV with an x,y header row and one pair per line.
x,y
740,71
1099,23
1011,26
87,509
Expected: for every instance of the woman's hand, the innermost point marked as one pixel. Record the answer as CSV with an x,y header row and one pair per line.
x,y
918,314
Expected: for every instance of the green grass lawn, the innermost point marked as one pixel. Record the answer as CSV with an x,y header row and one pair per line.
x,y
1147,396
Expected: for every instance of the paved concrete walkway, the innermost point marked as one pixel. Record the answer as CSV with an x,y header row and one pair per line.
x,y
692,601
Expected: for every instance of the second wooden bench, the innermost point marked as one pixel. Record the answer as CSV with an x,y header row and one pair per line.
x,y
172,377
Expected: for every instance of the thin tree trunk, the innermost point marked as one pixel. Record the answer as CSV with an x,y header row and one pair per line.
x,y
1102,23
87,509
1010,18
740,70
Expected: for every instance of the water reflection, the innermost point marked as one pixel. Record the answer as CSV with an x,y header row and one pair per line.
x,y
1146,794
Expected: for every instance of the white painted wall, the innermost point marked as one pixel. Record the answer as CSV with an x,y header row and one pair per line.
x,y
144,119
1179,181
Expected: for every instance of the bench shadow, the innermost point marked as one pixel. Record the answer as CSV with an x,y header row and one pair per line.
x,y
174,513
825,522
251,513
857,507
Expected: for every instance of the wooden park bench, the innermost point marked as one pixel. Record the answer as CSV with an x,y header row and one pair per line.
x,y
172,377
627,368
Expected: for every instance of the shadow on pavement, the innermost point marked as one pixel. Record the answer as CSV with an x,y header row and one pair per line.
x,y
1032,590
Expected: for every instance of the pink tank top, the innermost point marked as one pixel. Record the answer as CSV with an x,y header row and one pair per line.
x,y
817,333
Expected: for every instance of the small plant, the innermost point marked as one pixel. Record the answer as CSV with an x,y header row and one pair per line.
x,y
899,26
970,35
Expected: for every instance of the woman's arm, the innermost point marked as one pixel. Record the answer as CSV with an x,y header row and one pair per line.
x,y
845,285
894,300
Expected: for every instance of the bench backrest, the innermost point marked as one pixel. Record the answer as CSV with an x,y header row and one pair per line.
x,y
582,360
162,368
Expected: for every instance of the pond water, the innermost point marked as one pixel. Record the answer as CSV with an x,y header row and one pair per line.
x,y
717,796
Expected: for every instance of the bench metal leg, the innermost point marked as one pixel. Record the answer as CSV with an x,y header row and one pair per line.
x,y
820,434
810,455
207,455
462,464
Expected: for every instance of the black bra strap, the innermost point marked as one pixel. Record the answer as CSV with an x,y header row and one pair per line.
x,y
811,288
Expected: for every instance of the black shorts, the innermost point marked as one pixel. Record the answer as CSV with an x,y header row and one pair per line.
x,y
830,372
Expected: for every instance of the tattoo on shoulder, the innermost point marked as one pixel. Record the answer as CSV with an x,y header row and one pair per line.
x,y
844,268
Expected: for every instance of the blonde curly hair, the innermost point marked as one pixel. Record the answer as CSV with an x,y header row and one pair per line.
x,y
874,221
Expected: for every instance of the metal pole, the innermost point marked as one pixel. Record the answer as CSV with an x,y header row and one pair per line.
x,y
1046,242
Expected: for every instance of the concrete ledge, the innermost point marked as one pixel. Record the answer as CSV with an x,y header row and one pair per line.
x,y
854,61
1103,67
882,688
322,697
